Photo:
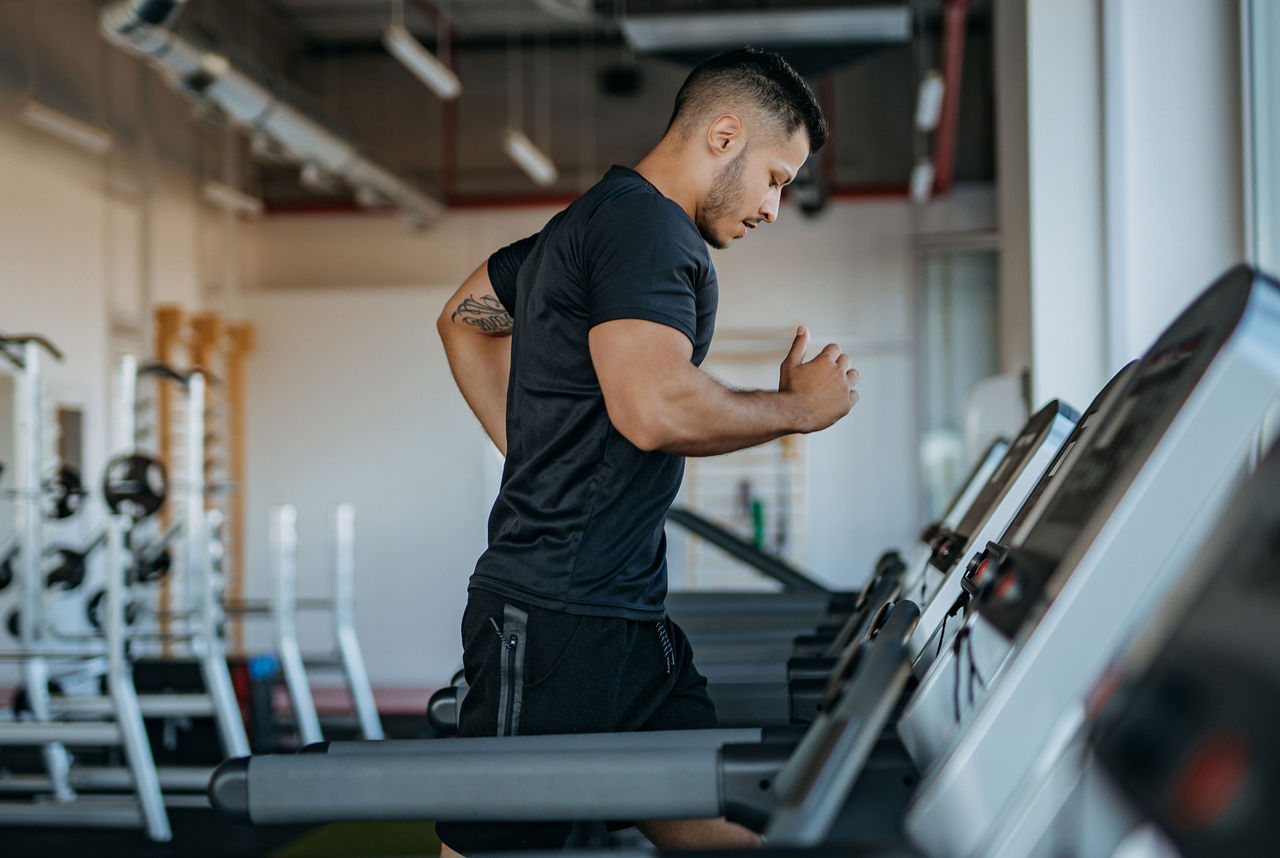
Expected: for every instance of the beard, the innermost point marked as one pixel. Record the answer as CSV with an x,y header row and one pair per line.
x,y
723,197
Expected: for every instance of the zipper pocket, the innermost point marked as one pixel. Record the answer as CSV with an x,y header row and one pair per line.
x,y
511,668
664,640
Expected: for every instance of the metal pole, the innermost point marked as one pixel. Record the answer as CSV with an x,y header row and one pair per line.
x,y
123,694
344,623
126,405
201,598
284,545
29,515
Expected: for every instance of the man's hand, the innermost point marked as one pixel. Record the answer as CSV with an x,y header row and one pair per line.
x,y
822,387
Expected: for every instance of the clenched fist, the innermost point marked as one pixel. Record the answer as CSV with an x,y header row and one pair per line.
x,y
822,388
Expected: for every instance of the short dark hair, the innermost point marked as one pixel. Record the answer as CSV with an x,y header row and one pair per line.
x,y
762,78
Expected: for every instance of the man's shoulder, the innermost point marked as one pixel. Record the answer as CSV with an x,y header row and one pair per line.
x,y
629,209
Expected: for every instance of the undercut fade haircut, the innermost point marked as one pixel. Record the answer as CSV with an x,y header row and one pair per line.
x,y
748,76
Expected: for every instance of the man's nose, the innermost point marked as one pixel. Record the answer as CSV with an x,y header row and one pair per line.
x,y
769,208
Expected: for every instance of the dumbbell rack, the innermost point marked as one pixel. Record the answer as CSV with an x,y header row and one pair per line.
x,y
283,608
123,726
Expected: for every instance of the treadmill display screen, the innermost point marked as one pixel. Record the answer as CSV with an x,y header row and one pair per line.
x,y
1090,415
1154,393
1020,451
1139,419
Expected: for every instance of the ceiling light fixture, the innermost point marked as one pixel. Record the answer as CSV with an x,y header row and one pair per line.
x,y
929,102
528,157
922,181
424,65
230,199
91,138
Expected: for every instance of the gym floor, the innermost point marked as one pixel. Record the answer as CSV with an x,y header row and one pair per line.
x,y
198,833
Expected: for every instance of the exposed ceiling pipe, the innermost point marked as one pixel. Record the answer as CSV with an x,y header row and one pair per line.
x,y
954,13
143,28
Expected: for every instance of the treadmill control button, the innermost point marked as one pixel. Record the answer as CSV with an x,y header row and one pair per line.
x,y
1210,782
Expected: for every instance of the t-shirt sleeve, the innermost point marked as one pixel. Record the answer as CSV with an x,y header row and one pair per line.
x,y
644,260
504,265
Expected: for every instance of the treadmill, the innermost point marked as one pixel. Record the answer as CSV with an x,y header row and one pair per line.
x,y
1177,747
718,617
1140,498
1154,464
776,690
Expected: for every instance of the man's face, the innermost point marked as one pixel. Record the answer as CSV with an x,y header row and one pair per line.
x,y
747,189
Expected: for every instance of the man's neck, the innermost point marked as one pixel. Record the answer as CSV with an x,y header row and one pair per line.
x,y
668,172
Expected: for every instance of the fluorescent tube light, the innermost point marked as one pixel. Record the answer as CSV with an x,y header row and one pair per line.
x,y
528,157
929,101
922,180
229,199
66,128
438,77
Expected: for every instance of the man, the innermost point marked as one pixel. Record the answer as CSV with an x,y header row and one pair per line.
x,y
579,349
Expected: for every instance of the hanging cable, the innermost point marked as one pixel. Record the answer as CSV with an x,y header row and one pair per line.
x,y
29,51
543,83
515,99
586,110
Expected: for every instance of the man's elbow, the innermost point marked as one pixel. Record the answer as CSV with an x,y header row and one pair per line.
x,y
444,324
649,432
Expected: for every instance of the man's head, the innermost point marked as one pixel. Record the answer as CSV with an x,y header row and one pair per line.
x,y
748,121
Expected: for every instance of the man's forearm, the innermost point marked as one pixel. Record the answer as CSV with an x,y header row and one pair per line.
x,y
480,366
708,419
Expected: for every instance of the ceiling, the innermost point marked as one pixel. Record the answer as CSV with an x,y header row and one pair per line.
x,y
338,21
579,89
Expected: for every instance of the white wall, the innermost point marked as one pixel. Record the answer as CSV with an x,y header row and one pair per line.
x,y
1176,163
69,269
1120,169
351,398
1050,171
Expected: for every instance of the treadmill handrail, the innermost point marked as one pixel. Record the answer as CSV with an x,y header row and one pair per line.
x,y
817,787
735,546
859,622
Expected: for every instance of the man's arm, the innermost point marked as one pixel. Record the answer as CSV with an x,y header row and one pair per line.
x,y
476,331
659,400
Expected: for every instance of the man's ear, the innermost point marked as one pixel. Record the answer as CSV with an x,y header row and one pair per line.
x,y
725,134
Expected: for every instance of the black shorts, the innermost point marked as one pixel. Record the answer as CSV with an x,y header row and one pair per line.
x,y
533,670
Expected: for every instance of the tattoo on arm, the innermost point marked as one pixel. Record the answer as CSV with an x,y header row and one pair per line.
x,y
485,313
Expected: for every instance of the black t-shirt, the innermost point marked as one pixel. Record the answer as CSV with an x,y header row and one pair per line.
x,y
578,523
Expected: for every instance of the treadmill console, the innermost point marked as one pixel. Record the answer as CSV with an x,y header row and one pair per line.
x,y
946,545
980,572
1149,401
1190,737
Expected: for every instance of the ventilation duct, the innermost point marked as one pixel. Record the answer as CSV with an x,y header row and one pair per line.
x,y
813,36
255,103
